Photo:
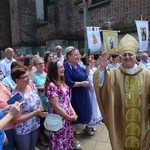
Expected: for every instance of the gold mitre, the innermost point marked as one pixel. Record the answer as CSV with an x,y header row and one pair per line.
x,y
128,43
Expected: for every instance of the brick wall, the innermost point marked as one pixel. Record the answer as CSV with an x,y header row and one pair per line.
x,y
64,21
5,29
67,22
23,20
121,13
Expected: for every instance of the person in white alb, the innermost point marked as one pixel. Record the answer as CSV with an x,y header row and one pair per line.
x,y
6,62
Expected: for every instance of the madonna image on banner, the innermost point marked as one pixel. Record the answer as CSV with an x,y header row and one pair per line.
x,y
143,33
110,39
111,42
93,38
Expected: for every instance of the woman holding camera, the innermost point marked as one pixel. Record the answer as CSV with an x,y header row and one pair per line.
x,y
28,123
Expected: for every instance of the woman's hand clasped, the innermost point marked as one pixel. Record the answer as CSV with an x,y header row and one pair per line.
x,y
73,117
84,83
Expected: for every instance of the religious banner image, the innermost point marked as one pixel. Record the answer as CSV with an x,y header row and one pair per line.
x,y
94,39
143,34
110,41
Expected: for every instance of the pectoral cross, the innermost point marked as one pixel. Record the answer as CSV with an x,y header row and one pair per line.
x,y
128,95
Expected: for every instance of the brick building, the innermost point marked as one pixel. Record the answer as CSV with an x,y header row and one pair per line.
x,y
35,25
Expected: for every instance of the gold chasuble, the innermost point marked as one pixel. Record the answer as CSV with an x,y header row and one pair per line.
x,y
124,101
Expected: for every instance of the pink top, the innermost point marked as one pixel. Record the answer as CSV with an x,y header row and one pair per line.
x,y
45,68
4,97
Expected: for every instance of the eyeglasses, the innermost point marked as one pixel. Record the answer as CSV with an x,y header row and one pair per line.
x,y
40,63
23,77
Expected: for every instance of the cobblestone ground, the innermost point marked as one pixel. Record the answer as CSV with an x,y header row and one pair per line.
x,y
40,147
100,141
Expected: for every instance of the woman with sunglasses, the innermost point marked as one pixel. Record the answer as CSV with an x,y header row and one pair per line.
x,y
39,78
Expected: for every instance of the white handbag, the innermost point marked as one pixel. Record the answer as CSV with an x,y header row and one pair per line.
x,y
53,122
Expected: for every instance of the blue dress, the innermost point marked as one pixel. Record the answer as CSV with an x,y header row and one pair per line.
x,y
79,95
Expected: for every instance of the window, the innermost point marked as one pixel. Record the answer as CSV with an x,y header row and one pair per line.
x,y
42,9
39,9
46,4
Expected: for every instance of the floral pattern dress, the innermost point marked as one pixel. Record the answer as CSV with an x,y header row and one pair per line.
x,y
30,102
62,139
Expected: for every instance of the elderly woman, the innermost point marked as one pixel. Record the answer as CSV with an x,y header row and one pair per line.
x,y
39,81
28,123
76,79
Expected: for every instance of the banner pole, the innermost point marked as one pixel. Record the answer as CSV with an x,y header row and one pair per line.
x,y
85,21
141,17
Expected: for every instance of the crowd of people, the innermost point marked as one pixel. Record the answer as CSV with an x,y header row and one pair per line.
x,y
56,84
83,90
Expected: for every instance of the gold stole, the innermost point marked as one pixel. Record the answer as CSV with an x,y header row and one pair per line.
x,y
132,107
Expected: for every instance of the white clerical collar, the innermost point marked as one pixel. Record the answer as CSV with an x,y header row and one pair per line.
x,y
131,70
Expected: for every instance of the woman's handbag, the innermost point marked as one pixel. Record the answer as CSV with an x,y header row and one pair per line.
x,y
53,122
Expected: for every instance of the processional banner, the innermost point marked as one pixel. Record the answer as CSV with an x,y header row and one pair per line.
x,y
94,38
143,34
110,41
